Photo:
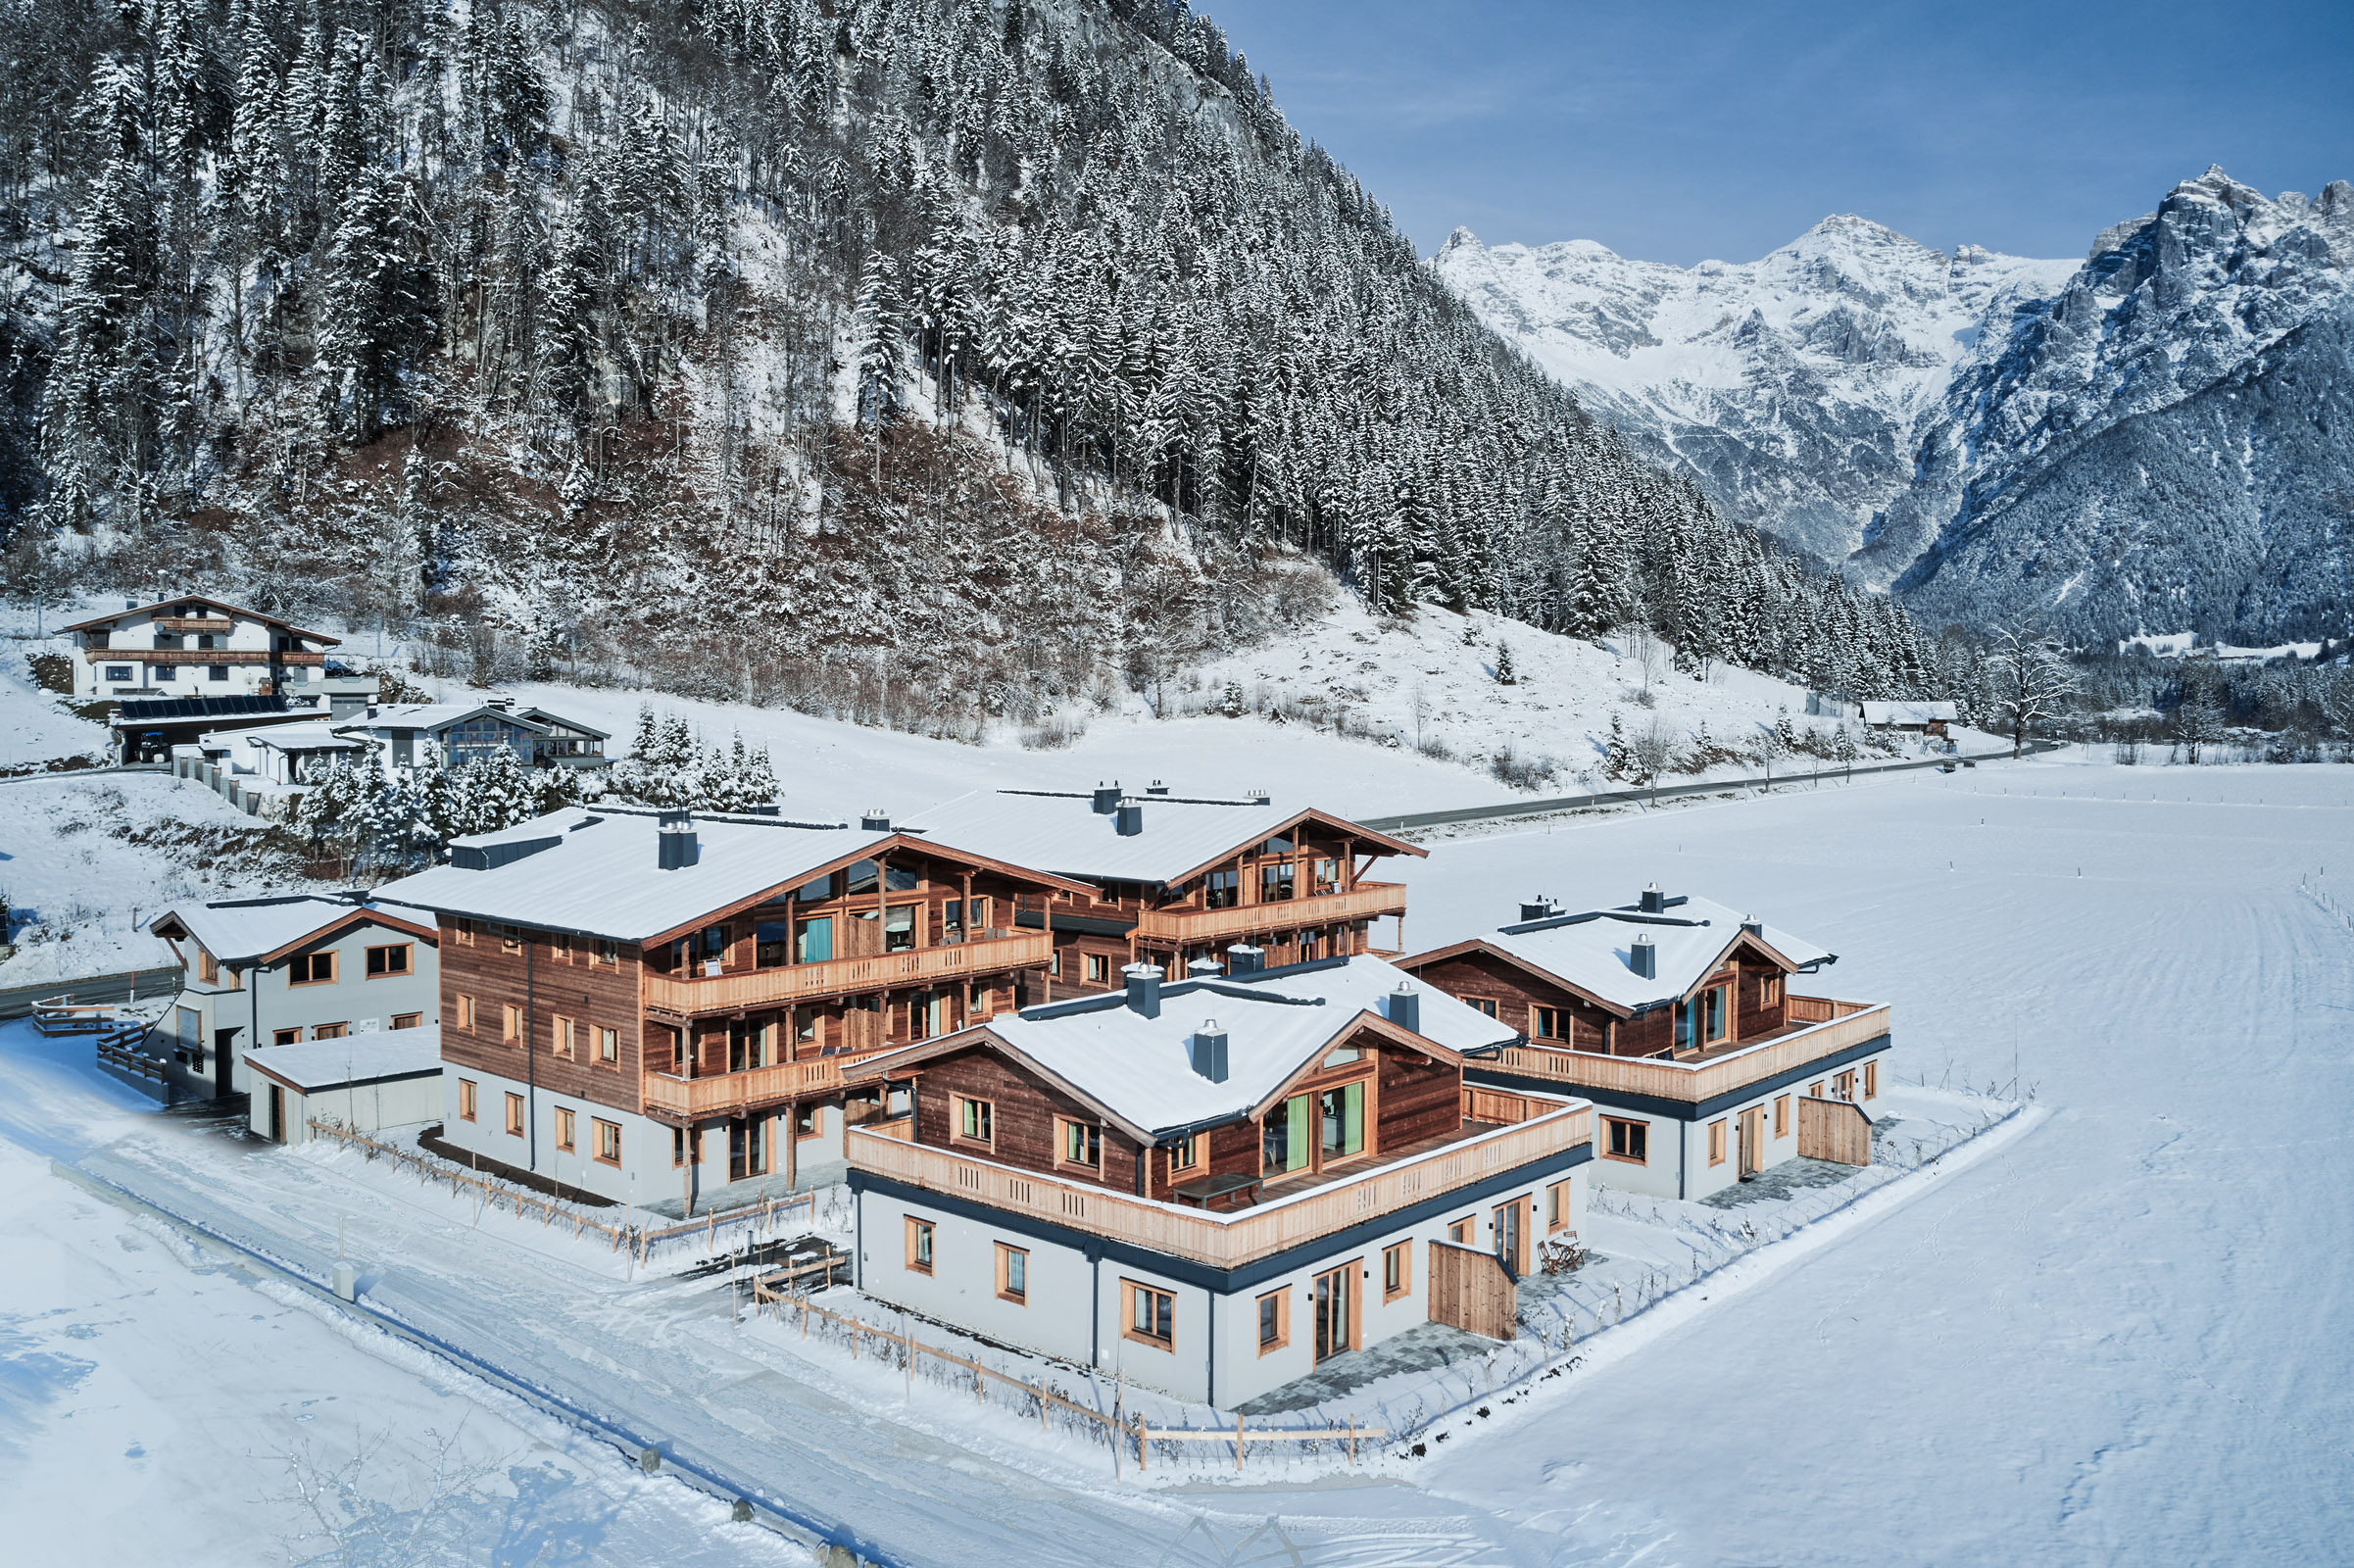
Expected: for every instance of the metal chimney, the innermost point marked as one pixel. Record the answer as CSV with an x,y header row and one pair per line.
x,y
1202,968
1107,798
1144,988
876,820
675,842
1207,1047
1655,902
1406,1008
1643,957
1156,787
1129,820
1243,959
1537,908
1753,925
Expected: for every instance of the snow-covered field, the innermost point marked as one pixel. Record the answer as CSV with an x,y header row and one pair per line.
x,y
2120,1333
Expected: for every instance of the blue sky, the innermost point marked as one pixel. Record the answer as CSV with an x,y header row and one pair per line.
x,y
1678,132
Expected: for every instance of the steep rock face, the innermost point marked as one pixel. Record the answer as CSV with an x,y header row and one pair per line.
x,y
2166,442
1795,386
2156,438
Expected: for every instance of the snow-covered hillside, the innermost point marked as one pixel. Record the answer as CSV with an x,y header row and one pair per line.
x,y
1792,386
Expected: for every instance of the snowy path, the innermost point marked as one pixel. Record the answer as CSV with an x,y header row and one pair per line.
x,y
2120,1335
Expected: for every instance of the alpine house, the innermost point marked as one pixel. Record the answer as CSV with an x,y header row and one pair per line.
x,y
1674,1015
1213,1185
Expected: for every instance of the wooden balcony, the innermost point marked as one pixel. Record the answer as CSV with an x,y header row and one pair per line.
x,y
743,990
732,1090
1707,1076
197,655
1367,900
1227,1239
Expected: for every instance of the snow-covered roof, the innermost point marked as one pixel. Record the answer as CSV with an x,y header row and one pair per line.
x,y
166,606
317,736
243,930
600,874
1140,1070
1065,833
437,717
316,1064
1877,713
1592,952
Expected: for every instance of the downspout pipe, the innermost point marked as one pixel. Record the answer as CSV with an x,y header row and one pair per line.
x,y
530,1060
1095,1306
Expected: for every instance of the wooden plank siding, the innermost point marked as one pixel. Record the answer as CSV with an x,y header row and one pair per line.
x,y
479,965
1023,1111
1836,1130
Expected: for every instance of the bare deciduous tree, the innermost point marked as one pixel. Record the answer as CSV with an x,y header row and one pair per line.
x,y
2033,680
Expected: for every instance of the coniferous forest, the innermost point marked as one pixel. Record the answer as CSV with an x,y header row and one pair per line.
x,y
907,360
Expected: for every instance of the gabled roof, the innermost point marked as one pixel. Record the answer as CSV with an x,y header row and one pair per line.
x,y
315,1064
266,930
438,716
164,606
598,874
1182,838
1137,1071
1590,953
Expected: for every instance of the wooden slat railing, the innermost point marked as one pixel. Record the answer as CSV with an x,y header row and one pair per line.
x,y
1698,1080
1232,1237
1367,900
687,995
697,1096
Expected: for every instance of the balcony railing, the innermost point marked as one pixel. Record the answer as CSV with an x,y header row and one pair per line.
x,y
198,656
685,995
705,1096
1705,1079
1367,900
1226,1238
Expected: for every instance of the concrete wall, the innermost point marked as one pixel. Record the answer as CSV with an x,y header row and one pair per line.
x,y
266,1003
1075,1308
398,1102
1662,1176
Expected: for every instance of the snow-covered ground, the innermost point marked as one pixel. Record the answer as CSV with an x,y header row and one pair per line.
x,y
2118,1334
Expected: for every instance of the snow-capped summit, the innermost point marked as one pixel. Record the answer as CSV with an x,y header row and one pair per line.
x,y
1790,383
2159,430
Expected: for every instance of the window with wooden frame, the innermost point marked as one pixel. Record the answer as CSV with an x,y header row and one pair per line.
x,y
311,970
608,1047
919,1246
1716,1143
465,1098
1871,1080
1148,1315
1842,1086
1557,1206
1398,1270
515,1114
609,1140
1185,1155
1054,963
1782,1115
1486,1005
1546,1024
464,1005
1099,969
1465,1231
511,1022
1013,1274
329,1031
463,931
560,1035
208,968
559,947
1769,991
389,962
564,1129
1274,1320
284,1037
1716,1015
511,938
407,1020
1624,1138
606,950
972,1121
1814,1091
1078,1144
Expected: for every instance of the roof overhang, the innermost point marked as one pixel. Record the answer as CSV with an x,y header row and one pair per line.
x,y
162,604
1341,824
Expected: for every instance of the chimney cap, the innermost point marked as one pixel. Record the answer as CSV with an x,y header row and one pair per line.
x,y
875,820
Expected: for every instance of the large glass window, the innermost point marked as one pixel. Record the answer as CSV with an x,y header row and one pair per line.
x,y
901,879
1275,882
899,928
815,941
1284,1143
860,878
1684,1020
1342,1121
769,939
815,891
1224,889
1712,1001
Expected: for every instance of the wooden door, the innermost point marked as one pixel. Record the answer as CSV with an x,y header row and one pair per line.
x,y
1513,1235
1335,1311
1752,1141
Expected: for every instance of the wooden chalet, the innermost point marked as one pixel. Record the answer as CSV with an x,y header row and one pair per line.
x,y
192,647
1184,881
1214,1183
1675,1016
646,1003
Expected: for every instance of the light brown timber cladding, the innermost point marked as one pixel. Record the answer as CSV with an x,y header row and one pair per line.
x,y
1416,1098
1470,1290
593,995
1698,1080
1023,1111
1836,1130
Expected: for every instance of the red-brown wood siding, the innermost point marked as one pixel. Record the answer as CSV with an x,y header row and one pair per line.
x,y
593,995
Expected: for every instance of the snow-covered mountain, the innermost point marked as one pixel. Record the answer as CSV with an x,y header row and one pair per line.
x,y
1792,386
2158,436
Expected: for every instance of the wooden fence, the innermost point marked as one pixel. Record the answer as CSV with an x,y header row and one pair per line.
x,y
1471,1290
1115,1430
1836,1130
641,1241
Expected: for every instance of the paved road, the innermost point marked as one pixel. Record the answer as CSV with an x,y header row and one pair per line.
x,y
15,1002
